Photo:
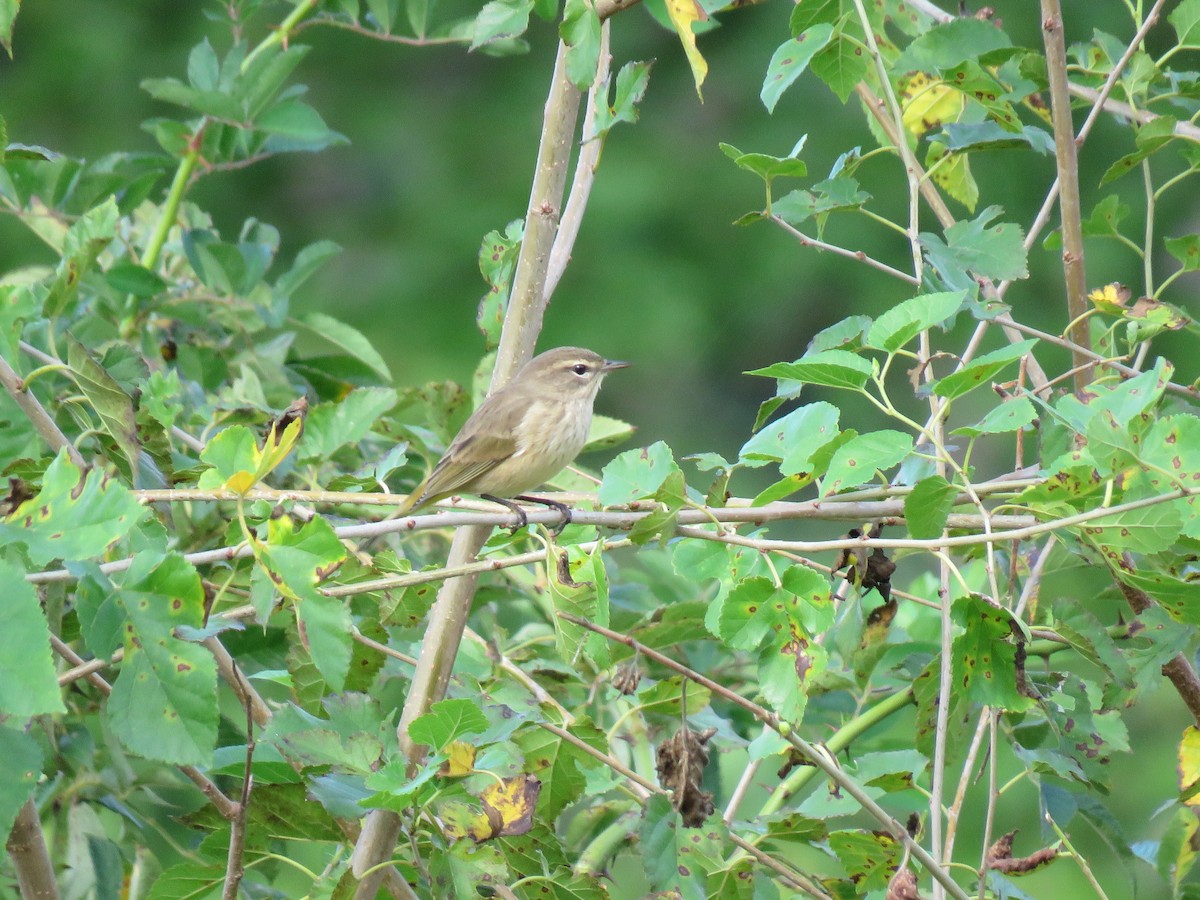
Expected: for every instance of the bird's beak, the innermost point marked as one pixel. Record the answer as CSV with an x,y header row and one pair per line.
x,y
610,364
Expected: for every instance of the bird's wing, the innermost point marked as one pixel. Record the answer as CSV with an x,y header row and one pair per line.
x,y
485,441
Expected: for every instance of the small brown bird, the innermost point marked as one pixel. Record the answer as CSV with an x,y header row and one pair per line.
x,y
521,435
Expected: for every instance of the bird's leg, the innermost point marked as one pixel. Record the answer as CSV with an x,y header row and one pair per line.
x,y
561,508
522,519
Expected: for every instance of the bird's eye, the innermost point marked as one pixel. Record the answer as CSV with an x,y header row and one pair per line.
x,y
579,369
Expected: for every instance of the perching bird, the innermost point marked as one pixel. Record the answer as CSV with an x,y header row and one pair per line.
x,y
522,434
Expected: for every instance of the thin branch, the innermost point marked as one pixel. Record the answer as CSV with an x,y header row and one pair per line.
x,y
26,847
42,422
1066,157
226,807
234,870
856,255
233,676
822,759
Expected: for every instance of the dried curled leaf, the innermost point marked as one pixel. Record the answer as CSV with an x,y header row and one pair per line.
x,y
903,886
999,857
627,677
680,767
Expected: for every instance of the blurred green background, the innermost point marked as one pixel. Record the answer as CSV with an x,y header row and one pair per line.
x,y
442,145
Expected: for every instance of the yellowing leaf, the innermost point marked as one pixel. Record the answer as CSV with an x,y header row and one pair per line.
x,y
460,760
507,808
927,103
1189,766
683,13
1112,298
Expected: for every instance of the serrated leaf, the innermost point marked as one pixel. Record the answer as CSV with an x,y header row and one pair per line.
x,y
985,655
22,768
830,368
857,461
904,321
841,65
580,31
928,505
446,721
163,704
81,245
995,252
793,439
636,474
74,516
499,20
28,682
306,263
333,425
1011,415
980,370
790,60
1185,19
1186,249
632,81
8,18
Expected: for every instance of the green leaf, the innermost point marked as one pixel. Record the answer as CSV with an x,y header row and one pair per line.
x,y
1011,415
636,474
163,704
904,321
8,18
82,244
830,368
28,682
928,505
841,65
997,252
558,764
130,278
297,560
108,399
678,859
787,668
349,339
765,166
750,612
501,19
959,137
1185,19
1148,529
790,60
74,516
793,439
947,44
1151,137
857,461
217,104
350,739
632,81
1181,599
22,768
980,370
384,13
294,125
446,721
813,12
869,857
306,263
1106,218
1186,249
985,655
580,31
333,425
204,70
232,452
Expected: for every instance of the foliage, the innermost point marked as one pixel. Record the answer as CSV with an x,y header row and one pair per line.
x,y
202,666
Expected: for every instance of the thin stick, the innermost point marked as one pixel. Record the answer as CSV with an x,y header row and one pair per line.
x,y
42,422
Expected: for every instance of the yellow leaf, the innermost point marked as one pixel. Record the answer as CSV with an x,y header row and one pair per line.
x,y
241,482
1112,298
507,808
1189,766
461,760
683,13
927,103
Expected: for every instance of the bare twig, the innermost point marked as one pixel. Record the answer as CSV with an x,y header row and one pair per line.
x,y
234,869
43,424
1066,156
1178,670
26,847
